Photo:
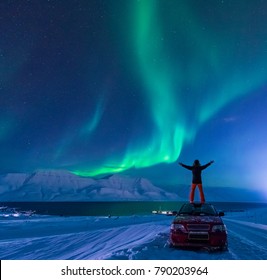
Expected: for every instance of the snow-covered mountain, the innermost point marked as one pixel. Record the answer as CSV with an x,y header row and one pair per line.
x,y
58,185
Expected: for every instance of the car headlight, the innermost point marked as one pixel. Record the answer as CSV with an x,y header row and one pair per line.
x,y
219,228
178,227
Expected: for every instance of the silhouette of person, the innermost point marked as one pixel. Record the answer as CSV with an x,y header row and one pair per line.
x,y
196,169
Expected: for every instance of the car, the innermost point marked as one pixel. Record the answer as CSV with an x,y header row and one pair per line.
x,y
198,225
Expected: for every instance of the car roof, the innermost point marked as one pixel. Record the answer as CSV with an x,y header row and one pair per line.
x,y
191,208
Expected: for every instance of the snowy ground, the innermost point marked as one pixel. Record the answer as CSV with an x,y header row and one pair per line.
x,y
126,237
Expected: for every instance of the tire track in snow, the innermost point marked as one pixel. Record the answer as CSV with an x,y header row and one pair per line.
x,y
247,241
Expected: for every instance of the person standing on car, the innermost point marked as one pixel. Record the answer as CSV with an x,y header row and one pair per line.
x,y
196,169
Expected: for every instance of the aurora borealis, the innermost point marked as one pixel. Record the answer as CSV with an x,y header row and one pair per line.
x,y
98,87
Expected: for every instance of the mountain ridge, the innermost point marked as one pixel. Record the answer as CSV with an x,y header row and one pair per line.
x,y
62,185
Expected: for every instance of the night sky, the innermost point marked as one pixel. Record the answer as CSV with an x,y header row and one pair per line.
x,y
98,87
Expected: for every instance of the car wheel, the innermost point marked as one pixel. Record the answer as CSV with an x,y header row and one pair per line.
x,y
224,247
170,244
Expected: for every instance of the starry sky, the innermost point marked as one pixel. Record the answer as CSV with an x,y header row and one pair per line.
x,y
133,87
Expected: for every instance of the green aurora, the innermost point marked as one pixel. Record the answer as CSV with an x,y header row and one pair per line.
x,y
191,63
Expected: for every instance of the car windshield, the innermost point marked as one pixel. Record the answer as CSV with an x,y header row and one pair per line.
x,y
197,210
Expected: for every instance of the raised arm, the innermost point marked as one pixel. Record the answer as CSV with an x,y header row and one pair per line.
x,y
186,166
206,165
